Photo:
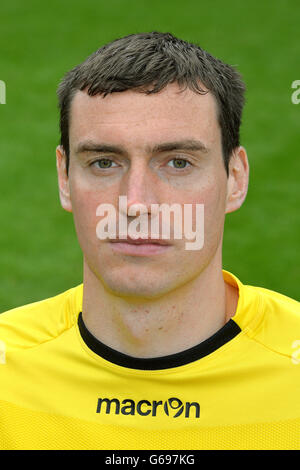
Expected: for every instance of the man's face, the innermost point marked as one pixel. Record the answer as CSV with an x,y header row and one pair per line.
x,y
139,146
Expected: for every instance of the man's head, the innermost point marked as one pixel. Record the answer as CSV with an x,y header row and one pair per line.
x,y
157,132
148,62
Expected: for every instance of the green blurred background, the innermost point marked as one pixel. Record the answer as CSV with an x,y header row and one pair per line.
x,y
39,42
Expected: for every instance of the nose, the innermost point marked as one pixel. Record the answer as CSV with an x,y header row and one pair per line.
x,y
140,188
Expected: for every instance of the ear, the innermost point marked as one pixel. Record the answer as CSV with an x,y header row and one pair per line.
x,y
238,178
63,179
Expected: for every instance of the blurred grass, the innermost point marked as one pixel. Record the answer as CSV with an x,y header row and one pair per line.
x,y
40,256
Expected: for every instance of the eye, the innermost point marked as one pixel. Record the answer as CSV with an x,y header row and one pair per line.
x,y
104,163
178,163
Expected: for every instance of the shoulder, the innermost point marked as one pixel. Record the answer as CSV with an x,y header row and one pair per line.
x,y
278,326
267,317
26,326
281,306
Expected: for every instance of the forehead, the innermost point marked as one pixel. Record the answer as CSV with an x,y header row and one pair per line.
x,y
132,117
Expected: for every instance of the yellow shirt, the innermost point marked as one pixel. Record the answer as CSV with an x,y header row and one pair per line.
x,y
63,389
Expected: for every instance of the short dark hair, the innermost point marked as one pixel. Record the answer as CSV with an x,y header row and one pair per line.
x,y
148,62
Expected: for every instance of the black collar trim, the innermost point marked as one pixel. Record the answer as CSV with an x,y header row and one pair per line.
x,y
221,337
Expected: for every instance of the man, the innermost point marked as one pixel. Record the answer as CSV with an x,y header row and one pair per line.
x,y
159,348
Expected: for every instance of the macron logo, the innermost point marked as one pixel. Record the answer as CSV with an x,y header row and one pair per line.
x,y
173,407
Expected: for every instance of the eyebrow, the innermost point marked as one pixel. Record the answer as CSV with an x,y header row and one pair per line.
x,y
186,144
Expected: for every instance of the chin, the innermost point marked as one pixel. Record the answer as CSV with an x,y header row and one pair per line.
x,y
136,288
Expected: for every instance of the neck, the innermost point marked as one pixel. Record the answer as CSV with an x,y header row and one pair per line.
x,y
158,327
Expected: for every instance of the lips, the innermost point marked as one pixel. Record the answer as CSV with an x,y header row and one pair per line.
x,y
140,246
141,241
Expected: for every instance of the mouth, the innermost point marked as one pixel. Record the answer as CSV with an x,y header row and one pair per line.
x,y
141,241
140,246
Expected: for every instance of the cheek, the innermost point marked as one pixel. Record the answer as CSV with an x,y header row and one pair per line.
x,y
213,198
84,212
86,196
214,212
212,194
84,203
